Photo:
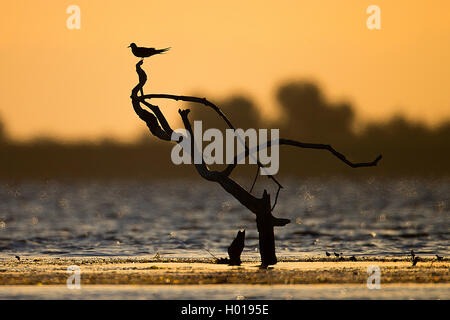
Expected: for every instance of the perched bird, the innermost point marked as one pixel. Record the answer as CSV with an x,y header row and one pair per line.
x,y
352,258
414,260
235,249
143,52
18,258
327,253
336,254
439,258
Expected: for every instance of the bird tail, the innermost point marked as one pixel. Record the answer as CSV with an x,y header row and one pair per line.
x,y
162,50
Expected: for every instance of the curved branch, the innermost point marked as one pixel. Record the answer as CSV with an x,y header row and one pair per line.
x,y
276,199
339,155
161,118
254,180
290,142
203,101
202,168
163,133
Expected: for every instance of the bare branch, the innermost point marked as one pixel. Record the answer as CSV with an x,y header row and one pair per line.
x,y
202,168
162,120
329,148
276,199
203,101
164,133
289,142
254,180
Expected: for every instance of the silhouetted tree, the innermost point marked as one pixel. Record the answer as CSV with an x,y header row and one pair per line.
x,y
261,207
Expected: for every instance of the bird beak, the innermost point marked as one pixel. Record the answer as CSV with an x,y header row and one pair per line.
x,y
128,46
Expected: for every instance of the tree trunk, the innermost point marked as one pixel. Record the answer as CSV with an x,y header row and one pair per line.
x,y
266,239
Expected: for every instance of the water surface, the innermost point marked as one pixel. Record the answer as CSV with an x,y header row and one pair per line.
x,y
180,218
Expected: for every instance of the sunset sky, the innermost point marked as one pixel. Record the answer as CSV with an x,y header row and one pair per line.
x,y
75,84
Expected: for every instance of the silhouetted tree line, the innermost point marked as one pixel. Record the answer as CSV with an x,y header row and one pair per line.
x,y
408,148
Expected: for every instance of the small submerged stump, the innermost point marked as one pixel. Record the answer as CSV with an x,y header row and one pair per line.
x,y
236,248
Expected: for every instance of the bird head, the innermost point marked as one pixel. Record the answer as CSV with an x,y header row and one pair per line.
x,y
132,45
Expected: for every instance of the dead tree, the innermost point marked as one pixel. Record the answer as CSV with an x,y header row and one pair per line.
x,y
261,207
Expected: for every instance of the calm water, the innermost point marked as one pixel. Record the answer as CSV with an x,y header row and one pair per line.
x,y
181,218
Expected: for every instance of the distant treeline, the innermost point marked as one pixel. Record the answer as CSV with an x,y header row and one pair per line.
x,y
408,148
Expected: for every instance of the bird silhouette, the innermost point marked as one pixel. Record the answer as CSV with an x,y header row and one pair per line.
x,y
414,260
143,52
336,254
439,258
327,253
352,258
235,249
18,258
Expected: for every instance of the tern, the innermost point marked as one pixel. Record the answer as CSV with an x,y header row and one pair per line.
x,y
143,52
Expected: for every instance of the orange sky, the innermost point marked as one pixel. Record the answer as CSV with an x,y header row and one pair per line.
x,y
75,84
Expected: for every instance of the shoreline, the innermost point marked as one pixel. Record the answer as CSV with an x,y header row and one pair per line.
x,y
47,271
